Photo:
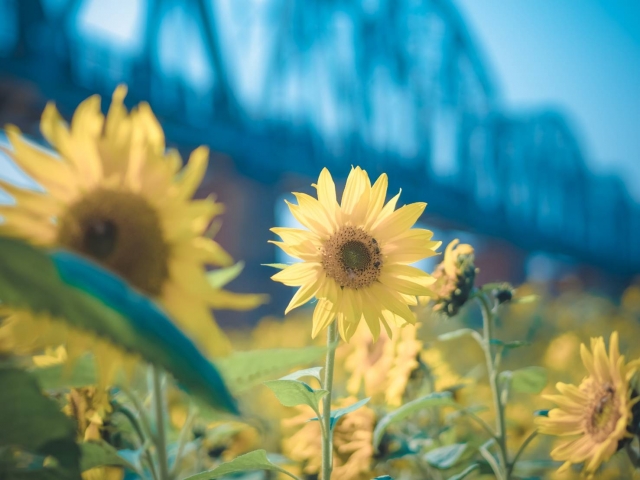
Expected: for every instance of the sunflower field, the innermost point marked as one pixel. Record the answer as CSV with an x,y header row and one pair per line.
x,y
112,365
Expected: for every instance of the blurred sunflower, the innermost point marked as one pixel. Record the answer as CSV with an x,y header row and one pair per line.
x,y
382,368
352,442
595,414
356,255
113,193
454,276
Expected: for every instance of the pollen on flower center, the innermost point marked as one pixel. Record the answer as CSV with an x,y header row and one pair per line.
x,y
352,258
120,230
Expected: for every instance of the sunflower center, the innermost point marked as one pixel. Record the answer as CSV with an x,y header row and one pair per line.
x,y
352,258
603,413
121,231
355,255
100,238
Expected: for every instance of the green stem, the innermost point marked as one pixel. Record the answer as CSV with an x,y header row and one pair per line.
x,y
524,445
182,441
141,436
327,444
487,327
160,437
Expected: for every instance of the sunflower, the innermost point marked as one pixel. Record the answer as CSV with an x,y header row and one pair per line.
x,y
454,276
597,413
356,255
112,192
384,367
352,442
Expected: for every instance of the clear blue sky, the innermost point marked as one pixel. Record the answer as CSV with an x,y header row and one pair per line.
x,y
581,57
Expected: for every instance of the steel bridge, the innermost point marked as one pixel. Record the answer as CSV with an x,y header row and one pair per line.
x,y
283,86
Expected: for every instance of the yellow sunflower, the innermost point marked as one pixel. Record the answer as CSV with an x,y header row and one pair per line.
x,y
114,193
381,369
356,255
595,414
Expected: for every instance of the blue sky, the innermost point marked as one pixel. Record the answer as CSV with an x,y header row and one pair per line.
x,y
581,57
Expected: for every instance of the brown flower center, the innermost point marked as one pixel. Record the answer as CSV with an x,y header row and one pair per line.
x,y
603,412
121,231
352,258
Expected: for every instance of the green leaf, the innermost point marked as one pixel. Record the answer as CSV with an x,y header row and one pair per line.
x,y
307,372
541,413
338,413
54,377
279,266
244,370
220,277
465,472
256,460
383,477
88,297
527,380
293,392
436,399
34,422
445,457
461,332
99,453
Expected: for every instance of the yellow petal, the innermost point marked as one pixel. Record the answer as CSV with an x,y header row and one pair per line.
x,y
298,274
193,173
398,222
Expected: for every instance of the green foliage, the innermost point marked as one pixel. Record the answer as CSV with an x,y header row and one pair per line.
x,y
291,393
526,380
99,453
445,457
55,377
436,399
256,460
338,413
244,370
34,423
90,298
307,372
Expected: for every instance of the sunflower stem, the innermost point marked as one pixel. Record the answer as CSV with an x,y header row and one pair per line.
x,y
327,437
524,445
492,371
160,437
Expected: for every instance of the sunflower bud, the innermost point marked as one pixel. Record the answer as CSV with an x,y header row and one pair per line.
x,y
455,276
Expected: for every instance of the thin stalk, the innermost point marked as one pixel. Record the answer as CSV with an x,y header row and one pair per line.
x,y
160,437
524,445
487,327
182,441
143,440
327,443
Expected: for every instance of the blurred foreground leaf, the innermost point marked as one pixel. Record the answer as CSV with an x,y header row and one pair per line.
x,y
55,377
256,460
35,424
88,297
244,370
